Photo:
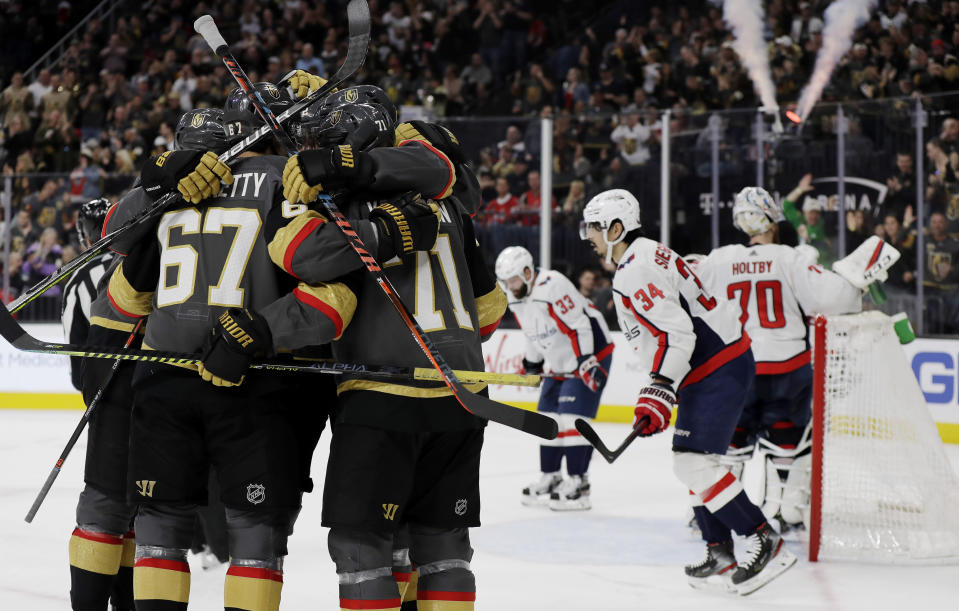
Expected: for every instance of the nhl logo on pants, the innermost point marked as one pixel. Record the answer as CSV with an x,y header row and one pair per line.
x,y
460,507
256,493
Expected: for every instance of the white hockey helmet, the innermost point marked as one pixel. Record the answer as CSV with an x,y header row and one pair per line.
x,y
606,208
755,211
513,261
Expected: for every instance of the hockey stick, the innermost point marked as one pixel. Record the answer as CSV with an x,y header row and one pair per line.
x,y
528,422
13,332
590,435
359,23
45,489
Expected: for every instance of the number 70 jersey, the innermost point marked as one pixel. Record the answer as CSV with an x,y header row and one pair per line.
x,y
773,288
677,328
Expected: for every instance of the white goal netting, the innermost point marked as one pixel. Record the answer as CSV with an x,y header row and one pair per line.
x,y
888,491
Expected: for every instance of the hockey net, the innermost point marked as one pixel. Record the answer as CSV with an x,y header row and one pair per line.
x,y
883,489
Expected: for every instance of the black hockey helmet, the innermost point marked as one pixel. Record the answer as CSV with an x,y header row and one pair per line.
x,y
361,94
364,126
200,129
90,220
240,118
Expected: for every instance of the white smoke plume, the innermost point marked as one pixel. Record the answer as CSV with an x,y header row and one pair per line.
x,y
841,20
745,18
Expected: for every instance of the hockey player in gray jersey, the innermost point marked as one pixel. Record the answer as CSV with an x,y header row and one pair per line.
x,y
214,269
402,454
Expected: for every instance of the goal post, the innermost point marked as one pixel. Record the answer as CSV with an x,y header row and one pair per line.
x,y
882,488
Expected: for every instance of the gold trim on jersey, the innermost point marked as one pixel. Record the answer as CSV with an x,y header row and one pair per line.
x,y
405,391
128,298
491,307
405,132
285,236
337,296
116,325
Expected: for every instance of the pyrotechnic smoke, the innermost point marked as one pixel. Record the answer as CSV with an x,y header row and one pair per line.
x,y
745,17
841,20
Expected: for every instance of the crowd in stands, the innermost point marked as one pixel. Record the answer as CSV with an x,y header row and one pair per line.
x,y
604,71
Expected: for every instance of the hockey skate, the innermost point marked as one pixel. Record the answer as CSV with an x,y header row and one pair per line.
x,y
766,559
714,571
538,492
571,495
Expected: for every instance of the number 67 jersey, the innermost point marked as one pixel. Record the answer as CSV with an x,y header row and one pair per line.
x,y
773,288
676,327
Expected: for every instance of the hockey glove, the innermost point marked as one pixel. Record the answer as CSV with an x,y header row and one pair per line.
x,y
234,340
302,83
591,372
530,368
406,225
195,174
868,263
337,167
295,189
655,401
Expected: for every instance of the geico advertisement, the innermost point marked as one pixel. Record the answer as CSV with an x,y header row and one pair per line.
x,y
935,363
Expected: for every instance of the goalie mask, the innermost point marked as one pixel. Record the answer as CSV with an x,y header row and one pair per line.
x,y
513,262
200,130
607,208
755,211
364,126
240,118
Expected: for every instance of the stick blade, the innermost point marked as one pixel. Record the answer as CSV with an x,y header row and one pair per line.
x,y
532,423
590,435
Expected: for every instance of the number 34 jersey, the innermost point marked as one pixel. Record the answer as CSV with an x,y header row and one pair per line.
x,y
673,323
560,324
773,288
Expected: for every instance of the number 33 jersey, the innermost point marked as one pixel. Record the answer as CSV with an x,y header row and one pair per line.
x,y
678,329
773,288
560,324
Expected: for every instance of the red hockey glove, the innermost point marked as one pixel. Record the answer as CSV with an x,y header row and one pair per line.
x,y
591,372
655,401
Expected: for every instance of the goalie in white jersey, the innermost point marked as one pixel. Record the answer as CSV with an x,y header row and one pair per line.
x,y
567,334
774,288
698,356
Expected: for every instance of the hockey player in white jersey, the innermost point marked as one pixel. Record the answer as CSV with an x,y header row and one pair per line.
x,y
774,288
698,356
566,334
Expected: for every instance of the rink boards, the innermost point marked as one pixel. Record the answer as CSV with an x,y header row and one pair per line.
x,y
39,381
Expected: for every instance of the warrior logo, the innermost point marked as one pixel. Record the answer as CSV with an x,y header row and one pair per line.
x,y
145,487
351,95
389,510
460,508
197,120
273,91
335,117
256,493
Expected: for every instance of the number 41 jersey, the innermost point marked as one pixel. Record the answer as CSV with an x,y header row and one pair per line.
x,y
774,288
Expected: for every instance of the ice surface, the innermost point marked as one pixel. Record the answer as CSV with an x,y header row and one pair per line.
x,y
626,553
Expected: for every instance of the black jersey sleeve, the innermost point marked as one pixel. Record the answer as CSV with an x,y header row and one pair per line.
x,y
130,205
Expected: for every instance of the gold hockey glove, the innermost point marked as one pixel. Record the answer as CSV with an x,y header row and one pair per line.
x,y
303,83
195,174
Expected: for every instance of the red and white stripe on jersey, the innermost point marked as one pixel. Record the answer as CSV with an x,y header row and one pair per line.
x,y
774,289
557,321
